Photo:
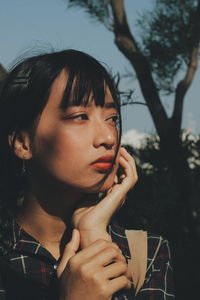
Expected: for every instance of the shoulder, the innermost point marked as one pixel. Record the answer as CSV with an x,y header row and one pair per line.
x,y
157,274
157,245
158,249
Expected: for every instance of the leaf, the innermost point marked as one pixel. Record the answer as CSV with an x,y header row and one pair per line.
x,y
167,32
98,10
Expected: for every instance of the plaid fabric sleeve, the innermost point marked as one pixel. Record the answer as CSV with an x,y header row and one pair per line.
x,y
158,283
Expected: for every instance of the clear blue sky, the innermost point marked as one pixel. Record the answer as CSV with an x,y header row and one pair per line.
x,y
42,24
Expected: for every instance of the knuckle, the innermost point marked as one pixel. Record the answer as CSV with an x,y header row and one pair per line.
x,y
72,264
112,251
123,259
101,242
123,266
103,291
96,279
84,270
100,286
124,280
114,245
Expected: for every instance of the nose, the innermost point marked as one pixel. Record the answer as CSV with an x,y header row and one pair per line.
x,y
104,136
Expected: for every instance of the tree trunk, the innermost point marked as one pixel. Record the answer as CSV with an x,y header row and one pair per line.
x,y
3,74
168,129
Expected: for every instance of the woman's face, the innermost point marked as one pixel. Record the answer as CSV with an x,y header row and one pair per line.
x,y
76,146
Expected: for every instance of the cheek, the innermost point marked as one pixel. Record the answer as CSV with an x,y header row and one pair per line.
x,y
60,153
68,145
51,144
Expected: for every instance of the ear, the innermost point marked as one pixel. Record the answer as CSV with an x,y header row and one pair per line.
x,y
21,145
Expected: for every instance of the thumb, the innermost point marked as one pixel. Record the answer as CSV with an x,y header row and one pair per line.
x,y
70,250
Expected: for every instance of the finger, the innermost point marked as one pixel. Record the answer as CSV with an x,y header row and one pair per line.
x,y
115,270
103,259
129,159
125,153
130,172
128,169
118,283
107,256
116,195
94,248
70,250
116,179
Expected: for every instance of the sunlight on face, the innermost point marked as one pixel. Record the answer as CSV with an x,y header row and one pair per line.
x,y
77,146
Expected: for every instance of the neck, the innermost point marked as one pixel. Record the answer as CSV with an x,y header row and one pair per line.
x,y
46,215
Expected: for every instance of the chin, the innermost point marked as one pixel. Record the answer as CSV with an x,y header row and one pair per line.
x,y
99,187
103,184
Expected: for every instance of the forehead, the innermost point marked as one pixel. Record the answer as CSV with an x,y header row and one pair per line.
x,y
85,97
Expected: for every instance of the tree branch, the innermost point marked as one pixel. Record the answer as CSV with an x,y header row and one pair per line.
x,y
128,46
3,73
98,10
185,83
132,102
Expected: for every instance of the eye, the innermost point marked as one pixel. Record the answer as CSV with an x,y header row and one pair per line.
x,y
78,117
114,120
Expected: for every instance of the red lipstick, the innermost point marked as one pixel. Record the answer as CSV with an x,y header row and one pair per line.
x,y
104,163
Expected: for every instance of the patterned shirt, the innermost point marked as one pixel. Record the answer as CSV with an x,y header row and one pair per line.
x,y
28,257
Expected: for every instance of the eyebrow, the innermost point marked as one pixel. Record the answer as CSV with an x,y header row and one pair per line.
x,y
110,105
106,105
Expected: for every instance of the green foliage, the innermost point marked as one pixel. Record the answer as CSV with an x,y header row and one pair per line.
x,y
158,203
157,192
97,10
167,36
151,161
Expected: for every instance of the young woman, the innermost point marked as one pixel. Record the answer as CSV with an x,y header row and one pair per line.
x,y
64,175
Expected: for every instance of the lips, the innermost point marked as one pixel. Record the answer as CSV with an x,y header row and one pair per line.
x,y
104,163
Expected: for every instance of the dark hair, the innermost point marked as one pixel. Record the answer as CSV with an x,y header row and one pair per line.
x,y
25,94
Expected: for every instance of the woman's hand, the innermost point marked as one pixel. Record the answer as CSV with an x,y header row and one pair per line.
x,y
94,273
92,219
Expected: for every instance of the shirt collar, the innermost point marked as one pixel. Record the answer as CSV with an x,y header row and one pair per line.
x,y
26,244
119,237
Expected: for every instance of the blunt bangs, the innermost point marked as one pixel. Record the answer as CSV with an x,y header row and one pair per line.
x,y
87,77
24,95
